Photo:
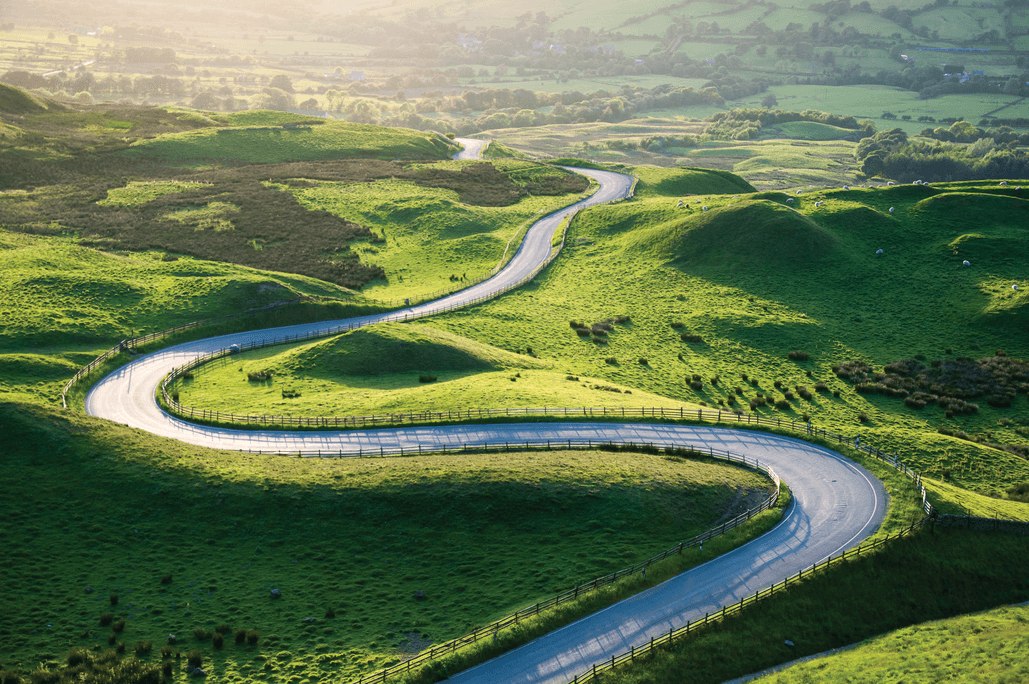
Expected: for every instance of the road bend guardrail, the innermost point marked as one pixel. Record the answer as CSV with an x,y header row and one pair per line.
x,y
583,588
731,609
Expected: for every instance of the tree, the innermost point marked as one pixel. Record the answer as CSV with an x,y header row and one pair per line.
x,y
282,82
769,101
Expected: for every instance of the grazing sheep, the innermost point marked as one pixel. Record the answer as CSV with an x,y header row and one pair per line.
x,y
880,251
889,183
892,209
789,200
818,204
1003,182
680,204
704,208
1015,287
846,187
966,263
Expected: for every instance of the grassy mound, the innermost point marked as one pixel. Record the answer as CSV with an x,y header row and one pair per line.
x,y
17,101
373,557
397,367
679,182
747,235
808,130
397,348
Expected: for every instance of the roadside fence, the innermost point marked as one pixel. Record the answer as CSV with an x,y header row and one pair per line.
x,y
584,588
735,608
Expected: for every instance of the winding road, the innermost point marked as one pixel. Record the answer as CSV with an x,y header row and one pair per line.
x,y
836,502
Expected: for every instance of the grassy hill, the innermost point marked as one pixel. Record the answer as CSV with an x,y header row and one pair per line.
x,y
932,576
728,293
270,190
397,368
986,645
115,537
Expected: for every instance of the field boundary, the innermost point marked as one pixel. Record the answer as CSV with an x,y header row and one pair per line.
x,y
584,588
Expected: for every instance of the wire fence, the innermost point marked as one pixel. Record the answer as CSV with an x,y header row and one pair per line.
x,y
584,588
736,608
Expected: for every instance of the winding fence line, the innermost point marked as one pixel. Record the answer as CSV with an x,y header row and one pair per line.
x,y
585,588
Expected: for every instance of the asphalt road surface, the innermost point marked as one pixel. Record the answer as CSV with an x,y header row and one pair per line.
x,y
836,503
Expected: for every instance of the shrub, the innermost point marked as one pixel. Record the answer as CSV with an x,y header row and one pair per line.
x,y
691,337
290,394
114,599
677,325
144,647
218,640
777,384
427,378
714,380
201,634
738,390
253,637
118,627
194,659
696,385
330,613
821,387
223,629
106,619
166,579
240,636
644,361
611,361
119,649
259,376
573,378
804,393
166,652
863,417
744,378
782,405
797,355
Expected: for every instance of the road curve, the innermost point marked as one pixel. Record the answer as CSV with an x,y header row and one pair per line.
x,y
836,503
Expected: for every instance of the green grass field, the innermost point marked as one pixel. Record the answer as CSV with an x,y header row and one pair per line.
x,y
384,370
273,142
743,284
755,278
984,646
190,539
931,576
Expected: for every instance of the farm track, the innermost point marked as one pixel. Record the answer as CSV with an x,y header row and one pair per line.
x,y
836,503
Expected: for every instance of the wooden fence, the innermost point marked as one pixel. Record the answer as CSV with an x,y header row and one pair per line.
x,y
735,608
584,588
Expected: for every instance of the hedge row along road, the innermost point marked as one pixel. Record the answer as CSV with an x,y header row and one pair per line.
x,y
836,503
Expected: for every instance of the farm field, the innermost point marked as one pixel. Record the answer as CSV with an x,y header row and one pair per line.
x,y
773,163
169,539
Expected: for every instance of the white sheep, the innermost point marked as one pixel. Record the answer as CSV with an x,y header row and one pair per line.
x,y
892,209
818,204
889,183
846,187
966,263
704,208
789,200
880,251
1015,287
1003,182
